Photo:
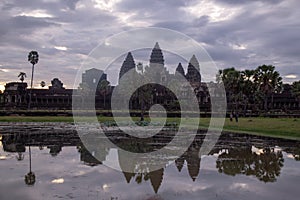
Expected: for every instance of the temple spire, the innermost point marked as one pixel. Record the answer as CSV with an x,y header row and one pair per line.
x,y
193,71
156,46
179,70
156,56
127,65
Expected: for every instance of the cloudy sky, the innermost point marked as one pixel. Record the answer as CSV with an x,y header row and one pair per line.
x,y
236,33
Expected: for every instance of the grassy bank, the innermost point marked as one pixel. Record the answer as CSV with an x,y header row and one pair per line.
x,y
275,127
35,119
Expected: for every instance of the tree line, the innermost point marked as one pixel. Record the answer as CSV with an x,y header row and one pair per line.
x,y
254,87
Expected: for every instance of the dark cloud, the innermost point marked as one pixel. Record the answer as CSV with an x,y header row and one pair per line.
x,y
183,25
258,32
238,2
51,6
175,25
269,36
23,24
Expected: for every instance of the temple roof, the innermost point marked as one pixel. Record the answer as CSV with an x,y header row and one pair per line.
x,y
193,70
194,62
127,65
156,55
180,69
156,46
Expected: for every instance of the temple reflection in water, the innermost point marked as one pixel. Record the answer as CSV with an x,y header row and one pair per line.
x,y
254,156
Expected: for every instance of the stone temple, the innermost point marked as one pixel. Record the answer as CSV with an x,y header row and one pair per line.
x,y
57,97
157,62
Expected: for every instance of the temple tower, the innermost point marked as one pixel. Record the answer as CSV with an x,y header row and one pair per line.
x,y
156,67
127,65
179,70
193,71
156,57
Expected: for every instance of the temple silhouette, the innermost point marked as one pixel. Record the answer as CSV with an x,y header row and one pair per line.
x,y
56,97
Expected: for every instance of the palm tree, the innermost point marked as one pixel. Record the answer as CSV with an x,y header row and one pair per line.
x,y
268,81
296,89
43,84
30,177
22,76
231,79
247,87
33,58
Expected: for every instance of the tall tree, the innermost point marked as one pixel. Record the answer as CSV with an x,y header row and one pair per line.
x,y
22,76
268,81
296,89
231,79
33,58
247,87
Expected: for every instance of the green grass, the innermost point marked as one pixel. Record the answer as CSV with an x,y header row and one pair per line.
x,y
275,127
36,119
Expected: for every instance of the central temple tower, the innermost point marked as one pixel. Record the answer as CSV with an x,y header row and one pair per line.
x,y
156,65
156,57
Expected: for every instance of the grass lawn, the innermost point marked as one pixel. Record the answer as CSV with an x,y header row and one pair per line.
x,y
275,127
35,119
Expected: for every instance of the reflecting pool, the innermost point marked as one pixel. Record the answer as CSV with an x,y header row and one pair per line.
x,y
49,161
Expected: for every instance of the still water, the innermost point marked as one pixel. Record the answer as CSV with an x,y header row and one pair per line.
x,y
49,161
